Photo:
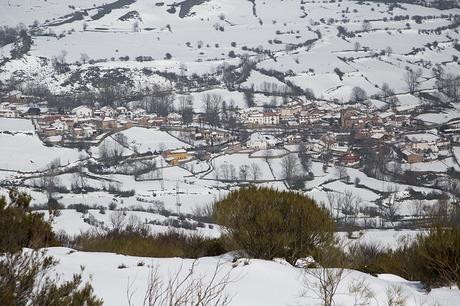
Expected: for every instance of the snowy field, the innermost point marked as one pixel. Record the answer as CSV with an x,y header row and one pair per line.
x,y
142,140
152,140
72,222
27,153
16,125
260,282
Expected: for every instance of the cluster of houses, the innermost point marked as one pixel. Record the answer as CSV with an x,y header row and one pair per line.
x,y
80,124
353,118
339,152
84,122
388,126
299,113
351,125
14,104
291,114
423,147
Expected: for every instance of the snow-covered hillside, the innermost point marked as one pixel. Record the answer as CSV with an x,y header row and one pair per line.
x,y
200,36
259,282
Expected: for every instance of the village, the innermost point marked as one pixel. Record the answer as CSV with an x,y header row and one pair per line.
x,y
332,133
230,152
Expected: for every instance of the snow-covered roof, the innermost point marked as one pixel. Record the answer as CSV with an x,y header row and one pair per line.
x,y
423,137
259,137
178,151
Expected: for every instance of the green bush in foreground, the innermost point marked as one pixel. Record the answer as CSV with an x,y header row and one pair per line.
x,y
20,228
24,275
266,223
432,258
439,254
169,244
24,281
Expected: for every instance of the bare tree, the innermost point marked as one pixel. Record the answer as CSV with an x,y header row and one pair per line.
x,y
395,169
411,78
84,58
388,50
186,289
349,203
342,172
186,109
50,181
388,95
366,26
244,172
267,154
255,171
117,221
59,62
104,154
391,205
159,100
79,181
418,206
356,46
326,283
438,71
361,291
358,95
324,280
111,151
212,104
332,200
136,26
290,167
232,172
395,296
225,171
450,85
305,159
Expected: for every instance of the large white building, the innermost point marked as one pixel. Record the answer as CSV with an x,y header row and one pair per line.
x,y
265,118
261,141
82,111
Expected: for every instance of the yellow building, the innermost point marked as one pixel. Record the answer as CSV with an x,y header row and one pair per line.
x,y
174,157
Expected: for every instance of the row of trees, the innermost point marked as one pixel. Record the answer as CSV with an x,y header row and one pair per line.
x,y
245,173
447,83
386,94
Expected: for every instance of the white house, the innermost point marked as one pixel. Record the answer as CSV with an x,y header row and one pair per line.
x,y
137,113
423,141
59,126
122,110
7,110
265,118
255,118
311,116
82,111
261,141
174,118
290,110
108,111
271,118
